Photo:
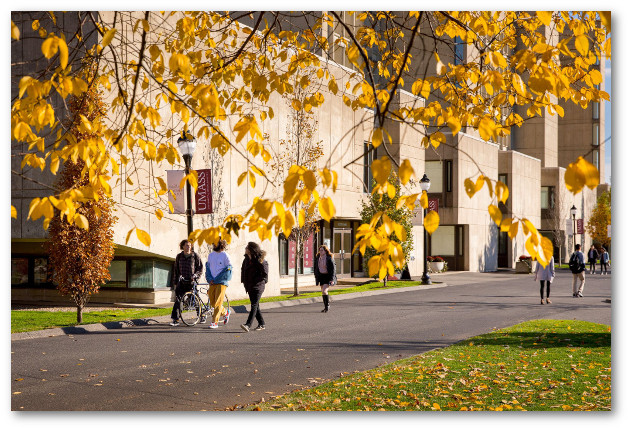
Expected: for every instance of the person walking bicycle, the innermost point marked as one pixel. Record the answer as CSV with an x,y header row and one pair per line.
x,y
545,274
593,255
218,273
188,268
254,276
325,274
577,267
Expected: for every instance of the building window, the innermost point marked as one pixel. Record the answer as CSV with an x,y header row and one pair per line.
x,y
19,271
287,250
595,139
40,270
596,158
369,155
595,107
547,198
435,171
502,206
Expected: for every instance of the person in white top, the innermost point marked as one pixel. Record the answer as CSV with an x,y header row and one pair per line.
x,y
545,274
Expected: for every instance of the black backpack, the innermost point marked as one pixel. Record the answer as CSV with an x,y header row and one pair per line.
x,y
574,264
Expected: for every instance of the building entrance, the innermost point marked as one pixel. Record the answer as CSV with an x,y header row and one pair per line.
x,y
342,250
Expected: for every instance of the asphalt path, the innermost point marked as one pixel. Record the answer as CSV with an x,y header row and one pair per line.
x,y
161,368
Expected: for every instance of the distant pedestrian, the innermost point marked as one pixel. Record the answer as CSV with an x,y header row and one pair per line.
x,y
188,267
545,274
577,267
604,259
593,255
218,273
325,274
254,276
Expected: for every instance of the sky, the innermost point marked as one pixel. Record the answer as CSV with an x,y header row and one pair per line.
x,y
608,126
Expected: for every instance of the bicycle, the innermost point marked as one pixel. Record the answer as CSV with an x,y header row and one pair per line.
x,y
192,307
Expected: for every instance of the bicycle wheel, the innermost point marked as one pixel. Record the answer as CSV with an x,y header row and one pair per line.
x,y
190,308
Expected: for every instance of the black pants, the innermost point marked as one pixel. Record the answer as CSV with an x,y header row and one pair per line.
x,y
180,290
604,267
542,288
593,265
254,298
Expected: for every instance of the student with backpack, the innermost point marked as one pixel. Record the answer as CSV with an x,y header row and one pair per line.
x,y
577,267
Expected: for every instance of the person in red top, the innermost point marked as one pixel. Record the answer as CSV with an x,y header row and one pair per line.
x,y
189,267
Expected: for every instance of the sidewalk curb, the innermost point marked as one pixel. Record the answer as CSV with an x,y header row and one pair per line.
x,y
113,325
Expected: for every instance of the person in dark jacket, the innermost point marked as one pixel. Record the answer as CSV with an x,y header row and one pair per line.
x,y
254,276
188,265
325,274
593,255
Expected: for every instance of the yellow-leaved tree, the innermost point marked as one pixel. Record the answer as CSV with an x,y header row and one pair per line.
x,y
216,73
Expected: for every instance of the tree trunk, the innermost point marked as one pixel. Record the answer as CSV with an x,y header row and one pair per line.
x,y
385,281
295,274
79,313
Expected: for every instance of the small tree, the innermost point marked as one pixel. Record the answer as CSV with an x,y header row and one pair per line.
x,y
301,149
80,255
386,204
599,221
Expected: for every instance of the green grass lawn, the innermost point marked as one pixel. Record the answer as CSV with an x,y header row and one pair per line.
x,y
22,321
541,365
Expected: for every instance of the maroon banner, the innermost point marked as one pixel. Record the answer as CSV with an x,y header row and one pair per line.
x,y
309,252
434,204
580,226
203,196
292,252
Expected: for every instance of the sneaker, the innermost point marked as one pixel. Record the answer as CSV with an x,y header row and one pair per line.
x,y
226,318
548,301
574,294
203,320
174,323
213,325
260,327
580,295
245,327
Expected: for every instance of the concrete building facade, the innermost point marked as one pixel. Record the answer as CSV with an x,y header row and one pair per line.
x,y
531,162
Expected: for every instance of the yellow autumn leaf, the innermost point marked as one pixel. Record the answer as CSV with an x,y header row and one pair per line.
x,y
81,221
582,44
374,265
50,46
15,31
159,214
574,177
502,192
377,137
495,214
326,208
513,231
437,138
545,17
13,212
107,38
505,225
143,236
63,53
591,174
381,169
424,200
431,221
405,172
241,178
606,19
469,186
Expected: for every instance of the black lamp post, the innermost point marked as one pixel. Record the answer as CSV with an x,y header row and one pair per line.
x,y
187,145
425,184
573,213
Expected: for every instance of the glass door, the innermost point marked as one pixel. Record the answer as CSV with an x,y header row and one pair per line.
x,y
342,250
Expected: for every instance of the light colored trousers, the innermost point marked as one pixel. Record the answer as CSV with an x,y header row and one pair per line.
x,y
216,293
578,277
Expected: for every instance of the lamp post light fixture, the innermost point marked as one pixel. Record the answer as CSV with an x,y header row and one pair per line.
x,y
187,145
425,184
573,213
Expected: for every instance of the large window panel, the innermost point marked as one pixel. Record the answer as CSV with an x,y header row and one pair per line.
x,y
433,169
40,270
162,273
443,240
141,274
19,271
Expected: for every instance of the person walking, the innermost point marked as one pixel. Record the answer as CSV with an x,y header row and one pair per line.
x,y
218,273
593,255
577,267
188,268
325,274
545,274
254,276
604,258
